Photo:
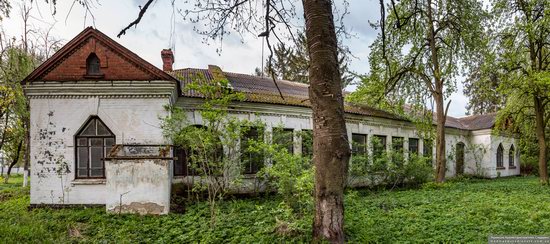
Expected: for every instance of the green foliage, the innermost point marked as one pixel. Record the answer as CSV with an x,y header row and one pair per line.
x,y
292,62
453,212
15,64
518,58
291,175
390,168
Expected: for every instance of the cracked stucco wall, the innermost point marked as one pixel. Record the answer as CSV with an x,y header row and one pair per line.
x,y
139,186
54,122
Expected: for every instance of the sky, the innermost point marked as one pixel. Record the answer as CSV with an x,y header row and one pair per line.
x,y
239,54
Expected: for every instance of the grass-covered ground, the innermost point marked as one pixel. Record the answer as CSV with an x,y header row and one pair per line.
x,y
456,212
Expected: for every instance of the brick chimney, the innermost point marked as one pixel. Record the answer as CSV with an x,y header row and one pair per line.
x,y
167,59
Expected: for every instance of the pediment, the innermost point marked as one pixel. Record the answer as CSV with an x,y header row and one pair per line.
x,y
115,62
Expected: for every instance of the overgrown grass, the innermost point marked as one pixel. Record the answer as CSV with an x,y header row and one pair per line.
x,y
467,211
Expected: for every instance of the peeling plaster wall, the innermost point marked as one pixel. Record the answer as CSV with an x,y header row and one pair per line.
x,y
138,186
299,118
55,121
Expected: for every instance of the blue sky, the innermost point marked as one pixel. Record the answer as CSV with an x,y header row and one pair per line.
x,y
153,34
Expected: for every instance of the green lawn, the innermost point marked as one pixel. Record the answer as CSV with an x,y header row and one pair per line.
x,y
457,212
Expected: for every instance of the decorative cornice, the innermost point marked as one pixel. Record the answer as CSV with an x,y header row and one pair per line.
x,y
115,96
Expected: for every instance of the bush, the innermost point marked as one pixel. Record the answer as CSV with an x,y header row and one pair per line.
x,y
390,169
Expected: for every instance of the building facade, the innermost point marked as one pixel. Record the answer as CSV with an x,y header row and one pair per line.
x,y
96,110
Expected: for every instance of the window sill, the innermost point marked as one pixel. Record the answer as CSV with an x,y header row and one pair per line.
x,y
500,168
249,176
88,182
512,167
94,76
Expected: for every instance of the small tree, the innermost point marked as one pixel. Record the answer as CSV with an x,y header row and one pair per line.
x,y
212,147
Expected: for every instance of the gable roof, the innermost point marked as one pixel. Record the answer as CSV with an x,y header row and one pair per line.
x,y
478,122
263,90
129,60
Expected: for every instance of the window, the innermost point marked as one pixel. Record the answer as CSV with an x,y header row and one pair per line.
x,y
500,156
93,143
251,161
397,144
93,65
378,145
428,148
358,144
413,146
189,161
307,143
181,165
459,158
284,138
511,156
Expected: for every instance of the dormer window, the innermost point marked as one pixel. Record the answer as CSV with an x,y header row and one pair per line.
x,y
92,65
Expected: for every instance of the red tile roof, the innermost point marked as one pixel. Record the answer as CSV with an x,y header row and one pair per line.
x,y
263,90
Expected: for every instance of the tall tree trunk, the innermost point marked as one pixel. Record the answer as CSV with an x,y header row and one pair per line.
x,y
540,127
330,143
440,159
437,93
15,160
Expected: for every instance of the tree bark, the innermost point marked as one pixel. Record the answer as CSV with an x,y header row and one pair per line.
x,y
437,93
15,160
440,159
540,127
330,143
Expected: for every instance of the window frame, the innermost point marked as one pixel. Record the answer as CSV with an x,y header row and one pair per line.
x,y
305,151
383,143
89,64
512,157
359,148
283,132
417,151
500,156
260,131
186,153
398,144
88,146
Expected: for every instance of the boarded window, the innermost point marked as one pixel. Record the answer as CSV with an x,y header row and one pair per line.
x,y
358,144
93,143
252,160
413,146
500,156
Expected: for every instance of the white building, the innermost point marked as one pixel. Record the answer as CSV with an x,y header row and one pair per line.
x,y
94,94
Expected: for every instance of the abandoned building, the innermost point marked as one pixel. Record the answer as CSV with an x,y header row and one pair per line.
x,y
95,98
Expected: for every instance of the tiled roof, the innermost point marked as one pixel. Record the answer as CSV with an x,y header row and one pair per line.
x,y
263,90
478,122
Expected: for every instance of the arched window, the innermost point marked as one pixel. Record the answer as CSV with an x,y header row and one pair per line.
x,y
195,159
93,142
500,156
511,156
93,65
460,158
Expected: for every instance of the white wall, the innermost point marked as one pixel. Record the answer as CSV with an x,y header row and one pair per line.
x,y
54,123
